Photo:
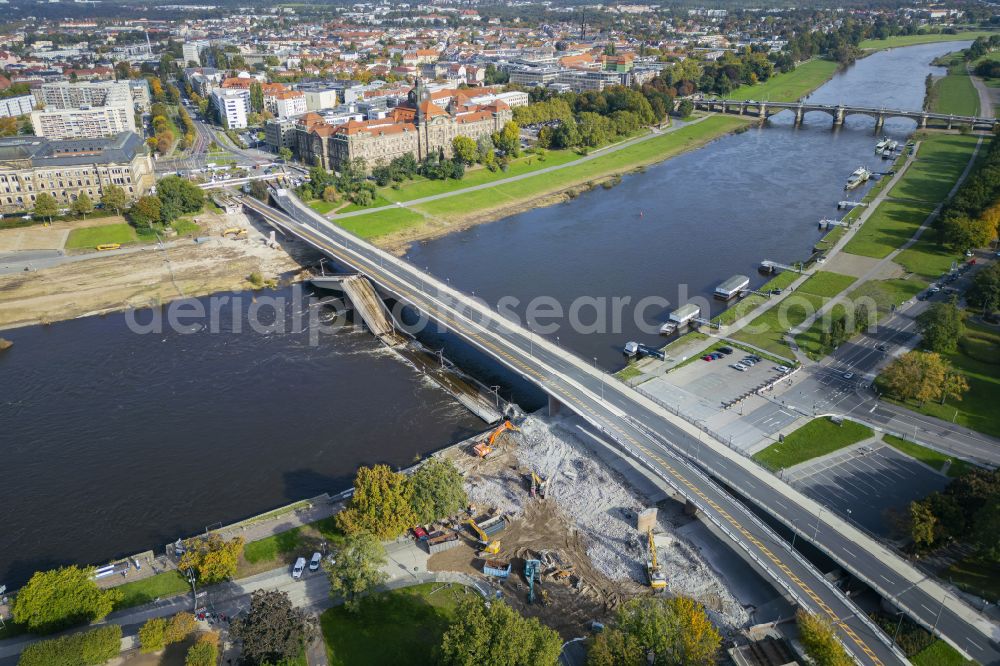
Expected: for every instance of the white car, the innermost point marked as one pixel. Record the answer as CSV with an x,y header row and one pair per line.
x,y
738,366
314,562
848,375
300,566
783,369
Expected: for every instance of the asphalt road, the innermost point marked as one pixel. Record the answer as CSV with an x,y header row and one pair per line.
x,y
633,423
824,388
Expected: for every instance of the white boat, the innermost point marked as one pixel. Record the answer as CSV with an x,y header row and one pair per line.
x,y
860,176
881,145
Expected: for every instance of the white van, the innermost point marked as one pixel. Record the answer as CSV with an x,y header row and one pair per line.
x,y
314,562
300,566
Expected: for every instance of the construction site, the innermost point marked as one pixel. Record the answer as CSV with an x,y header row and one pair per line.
x,y
564,538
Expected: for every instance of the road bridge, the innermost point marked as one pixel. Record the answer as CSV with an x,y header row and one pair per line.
x,y
838,112
698,465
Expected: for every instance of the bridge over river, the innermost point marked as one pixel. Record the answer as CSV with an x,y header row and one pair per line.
x,y
699,466
839,112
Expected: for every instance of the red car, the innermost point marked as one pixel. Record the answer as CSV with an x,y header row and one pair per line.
x,y
708,357
420,533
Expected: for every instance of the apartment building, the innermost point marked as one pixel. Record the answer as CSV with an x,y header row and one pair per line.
x,y
233,105
85,122
13,107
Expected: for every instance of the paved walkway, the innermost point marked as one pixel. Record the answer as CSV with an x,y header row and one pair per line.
x,y
600,152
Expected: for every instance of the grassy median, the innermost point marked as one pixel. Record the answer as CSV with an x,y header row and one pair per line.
x,y
817,438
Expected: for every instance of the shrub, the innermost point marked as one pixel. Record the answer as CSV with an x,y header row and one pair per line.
x,y
152,635
88,648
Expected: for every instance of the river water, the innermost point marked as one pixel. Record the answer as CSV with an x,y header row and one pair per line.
x,y
112,442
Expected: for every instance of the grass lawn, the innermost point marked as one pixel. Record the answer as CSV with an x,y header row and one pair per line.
x,y
166,584
91,237
826,283
929,457
646,152
950,148
628,372
976,576
978,358
887,293
287,545
421,187
377,203
889,226
921,38
954,93
939,653
401,627
932,178
816,438
186,227
768,330
381,223
791,86
729,315
320,206
928,259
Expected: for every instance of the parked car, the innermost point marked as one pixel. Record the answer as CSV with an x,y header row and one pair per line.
x,y
881,348
738,366
315,560
707,357
783,369
298,568
726,350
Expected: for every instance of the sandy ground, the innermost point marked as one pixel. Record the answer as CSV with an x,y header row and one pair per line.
x,y
586,521
48,237
154,275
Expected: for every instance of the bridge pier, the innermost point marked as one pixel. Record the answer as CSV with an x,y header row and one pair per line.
x,y
838,117
743,108
554,406
762,111
879,122
951,120
923,121
799,115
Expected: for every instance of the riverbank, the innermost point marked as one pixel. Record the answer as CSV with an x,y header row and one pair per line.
x,y
43,279
395,228
925,38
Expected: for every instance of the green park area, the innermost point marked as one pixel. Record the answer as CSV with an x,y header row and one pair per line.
x,y
91,237
978,359
401,627
887,228
380,223
954,93
941,462
791,86
921,38
939,653
940,161
816,438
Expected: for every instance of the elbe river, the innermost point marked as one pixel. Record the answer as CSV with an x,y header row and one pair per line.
x,y
112,442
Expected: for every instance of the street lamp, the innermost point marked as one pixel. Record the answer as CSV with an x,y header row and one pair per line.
x,y
943,599
818,517
189,574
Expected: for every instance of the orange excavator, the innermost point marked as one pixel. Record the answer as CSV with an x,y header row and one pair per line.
x,y
485,447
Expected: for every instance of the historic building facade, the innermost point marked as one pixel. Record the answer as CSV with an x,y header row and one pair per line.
x,y
418,127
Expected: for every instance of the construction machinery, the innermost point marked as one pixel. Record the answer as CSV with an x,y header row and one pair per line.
x,y
533,575
485,447
235,232
537,485
491,547
657,580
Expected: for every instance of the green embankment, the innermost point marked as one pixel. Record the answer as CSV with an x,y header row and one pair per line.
x,y
888,227
922,38
929,457
381,223
954,93
791,86
816,438
402,627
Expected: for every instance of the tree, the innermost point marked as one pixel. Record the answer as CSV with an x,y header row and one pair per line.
x,y
87,648
114,197
212,558
438,490
330,194
497,635
923,524
60,598
145,212
941,327
676,632
272,630
8,126
819,640
285,154
256,97
152,635
45,206
180,626
357,569
922,376
205,652
685,108
985,290
508,139
83,206
381,504
178,196
465,149
987,523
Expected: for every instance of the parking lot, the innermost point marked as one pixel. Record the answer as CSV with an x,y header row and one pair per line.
x,y
866,483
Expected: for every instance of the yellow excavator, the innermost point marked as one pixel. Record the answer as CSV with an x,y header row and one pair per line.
x,y
657,580
490,547
485,447
236,232
538,485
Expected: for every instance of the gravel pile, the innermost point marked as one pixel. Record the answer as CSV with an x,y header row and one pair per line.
x,y
604,509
